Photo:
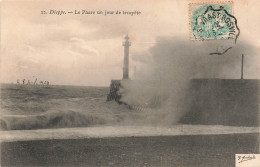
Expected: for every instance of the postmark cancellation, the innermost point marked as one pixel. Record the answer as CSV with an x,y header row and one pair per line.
x,y
212,21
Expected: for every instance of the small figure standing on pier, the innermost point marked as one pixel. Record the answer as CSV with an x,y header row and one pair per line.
x,y
35,82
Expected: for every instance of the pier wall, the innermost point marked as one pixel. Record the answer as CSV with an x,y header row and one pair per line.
x,y
232,102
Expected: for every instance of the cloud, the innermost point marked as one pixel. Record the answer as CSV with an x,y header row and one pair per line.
x,y
80,45
93,44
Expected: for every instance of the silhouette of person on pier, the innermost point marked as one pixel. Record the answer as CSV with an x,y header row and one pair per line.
x,y
35,82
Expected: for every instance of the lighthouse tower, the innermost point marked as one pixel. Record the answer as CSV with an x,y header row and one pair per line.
x,y
126,45
115,85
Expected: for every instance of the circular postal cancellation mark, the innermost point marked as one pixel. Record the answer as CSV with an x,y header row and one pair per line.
x,y
213,21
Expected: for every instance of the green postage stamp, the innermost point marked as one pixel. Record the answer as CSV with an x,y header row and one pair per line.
x,y
212,21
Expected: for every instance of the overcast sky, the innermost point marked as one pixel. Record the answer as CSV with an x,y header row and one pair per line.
x,y
87,49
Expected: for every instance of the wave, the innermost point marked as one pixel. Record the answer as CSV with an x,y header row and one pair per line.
x,y
50,120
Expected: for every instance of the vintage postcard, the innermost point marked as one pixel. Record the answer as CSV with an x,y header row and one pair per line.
x,y
129,83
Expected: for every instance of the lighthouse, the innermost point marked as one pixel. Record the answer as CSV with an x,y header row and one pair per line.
x,y
126,45
115,85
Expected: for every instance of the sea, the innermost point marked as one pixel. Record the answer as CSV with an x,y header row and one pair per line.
x,y
56,111
25,107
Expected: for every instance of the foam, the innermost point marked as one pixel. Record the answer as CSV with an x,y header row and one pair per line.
x,y
121,131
